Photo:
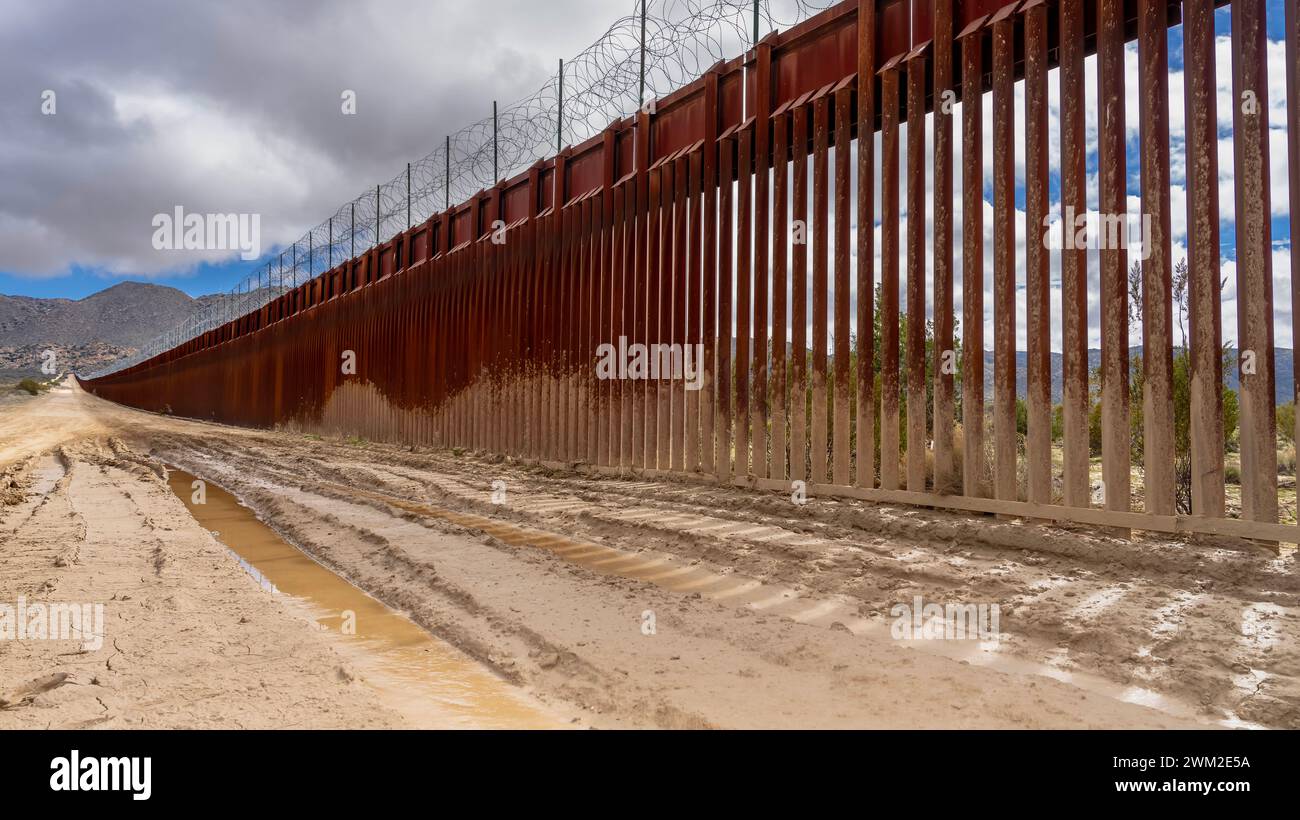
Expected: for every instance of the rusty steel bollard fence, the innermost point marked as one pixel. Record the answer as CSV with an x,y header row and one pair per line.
x,y
706,230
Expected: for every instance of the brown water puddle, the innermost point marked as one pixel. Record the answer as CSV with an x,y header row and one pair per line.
x,y
428,681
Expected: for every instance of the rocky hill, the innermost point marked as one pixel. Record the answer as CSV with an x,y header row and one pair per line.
x,y
87,333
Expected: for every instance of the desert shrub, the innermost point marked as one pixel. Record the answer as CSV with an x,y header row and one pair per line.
x,y
1094,429
958,451
1231,414
1286,460
1286,422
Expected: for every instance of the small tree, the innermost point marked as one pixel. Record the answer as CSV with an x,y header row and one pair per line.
x,y
1182,381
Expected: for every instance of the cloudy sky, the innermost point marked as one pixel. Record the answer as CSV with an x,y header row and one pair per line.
x,y
235,107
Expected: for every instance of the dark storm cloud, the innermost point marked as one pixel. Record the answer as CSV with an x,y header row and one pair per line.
x,y
235,107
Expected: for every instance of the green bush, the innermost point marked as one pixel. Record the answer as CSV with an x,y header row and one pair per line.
x,y
32,386
1286,422
1286,460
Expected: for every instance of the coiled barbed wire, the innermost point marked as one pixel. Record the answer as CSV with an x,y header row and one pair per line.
x,y
605,82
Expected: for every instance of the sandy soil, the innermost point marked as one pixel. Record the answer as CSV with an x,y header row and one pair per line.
x,y
766,613
187,641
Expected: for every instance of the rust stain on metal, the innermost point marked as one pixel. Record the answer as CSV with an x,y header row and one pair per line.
x,y
889,343
1114,256
1004,262
1254,263
1038,450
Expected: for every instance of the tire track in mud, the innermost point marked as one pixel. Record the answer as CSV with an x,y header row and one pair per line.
x,y
666,570
1050,625
48,514
31,484
864,524
413,584
791,658
764,539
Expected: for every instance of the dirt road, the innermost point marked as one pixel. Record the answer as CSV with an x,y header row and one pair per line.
x,y
604,603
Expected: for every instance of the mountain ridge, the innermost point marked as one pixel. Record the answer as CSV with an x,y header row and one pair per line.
x,y
89,332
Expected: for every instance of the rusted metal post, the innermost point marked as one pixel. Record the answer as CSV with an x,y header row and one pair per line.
x,y
1074,259
620,454
762,274
694,337
534,284
655,248
1157,289
1038,450
865,467
588,389
722,425
841,430
889,432
677,456
821,239
580,393
578,408
639,277
944,363
972,260
916,270
1004,260
1114,255
1254,261
799,298
558,267
744,281
709,182
780,272
664,307
608,303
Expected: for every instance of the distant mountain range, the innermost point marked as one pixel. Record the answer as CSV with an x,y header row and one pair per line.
x,y
87,333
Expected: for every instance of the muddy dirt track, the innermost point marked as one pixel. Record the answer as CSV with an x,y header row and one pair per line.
x,y
765,613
